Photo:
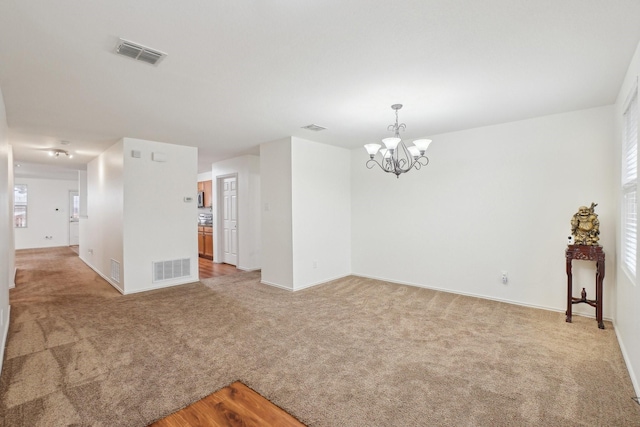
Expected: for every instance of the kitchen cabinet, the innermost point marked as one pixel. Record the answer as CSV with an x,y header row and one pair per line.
x,y
206,187
205,242
200,241
208,242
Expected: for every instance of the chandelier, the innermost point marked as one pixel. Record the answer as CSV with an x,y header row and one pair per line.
x,y
397,158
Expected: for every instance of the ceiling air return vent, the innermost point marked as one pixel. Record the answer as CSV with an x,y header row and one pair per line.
x,y
314,127
138,52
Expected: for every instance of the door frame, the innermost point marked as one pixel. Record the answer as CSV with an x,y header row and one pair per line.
x,y
219,231
70,204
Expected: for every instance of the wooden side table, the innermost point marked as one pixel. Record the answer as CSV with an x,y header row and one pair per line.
x,y
587,253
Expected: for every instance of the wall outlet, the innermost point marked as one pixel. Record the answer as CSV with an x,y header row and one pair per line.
x,y
90,251
315,264
505,278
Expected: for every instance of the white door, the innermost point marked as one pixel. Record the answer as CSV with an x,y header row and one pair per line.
x,y
74,217
230,221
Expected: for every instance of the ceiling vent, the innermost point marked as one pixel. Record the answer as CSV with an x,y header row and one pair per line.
x,y
138,52
313,127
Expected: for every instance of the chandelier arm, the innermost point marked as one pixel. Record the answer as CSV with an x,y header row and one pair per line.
x,y
372,162
406,162
420,162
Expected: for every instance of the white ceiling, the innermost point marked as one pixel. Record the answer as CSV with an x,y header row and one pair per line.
x,y
240,73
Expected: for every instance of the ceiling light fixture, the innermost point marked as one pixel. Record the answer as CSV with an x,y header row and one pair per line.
x,y
397,158
56,152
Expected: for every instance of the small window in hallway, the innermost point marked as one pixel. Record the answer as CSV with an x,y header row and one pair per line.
x,y
20,206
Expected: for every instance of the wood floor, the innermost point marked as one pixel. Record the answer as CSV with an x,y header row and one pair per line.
x,y
209,268
235,405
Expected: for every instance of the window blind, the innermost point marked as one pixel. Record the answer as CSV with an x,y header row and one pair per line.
x,y
630,185
630,231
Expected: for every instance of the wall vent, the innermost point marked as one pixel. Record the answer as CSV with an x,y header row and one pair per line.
x,y
115,271
138,52
165,270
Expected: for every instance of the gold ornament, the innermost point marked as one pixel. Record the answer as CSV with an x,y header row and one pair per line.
x,y
585,226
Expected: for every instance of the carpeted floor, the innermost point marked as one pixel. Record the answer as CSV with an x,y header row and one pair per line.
x,y
353,352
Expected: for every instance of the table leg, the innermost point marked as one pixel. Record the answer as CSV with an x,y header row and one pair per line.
x,y
599,280
569,291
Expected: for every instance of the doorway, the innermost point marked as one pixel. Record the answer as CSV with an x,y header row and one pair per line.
x,y
228,217
74,218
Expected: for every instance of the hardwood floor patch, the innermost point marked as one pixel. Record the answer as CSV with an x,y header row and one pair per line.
x,y
208,269
235,405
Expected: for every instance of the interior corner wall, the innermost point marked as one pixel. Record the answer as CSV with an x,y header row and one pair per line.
x,y
101,232
627,315
47,213
11,238
159,224
6,228
492,199
277,233
321,212
247,170
82,193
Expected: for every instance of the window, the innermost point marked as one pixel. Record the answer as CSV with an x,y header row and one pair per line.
x,y
630,184
20,206
75,207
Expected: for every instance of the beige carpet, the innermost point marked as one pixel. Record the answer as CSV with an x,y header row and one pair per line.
x,y
354,352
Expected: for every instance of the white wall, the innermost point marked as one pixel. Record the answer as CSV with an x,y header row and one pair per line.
x,y
158,224
306,213
7,255
247,169
101,232
627,318
321,212
136,213
82,193
493,199
11,238
204,176
277,213
47,213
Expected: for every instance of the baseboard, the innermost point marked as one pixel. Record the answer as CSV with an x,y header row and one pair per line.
x,y
150,288
627,361
161,286
310,285
13,282
108,280
249,269
275,285
300,288
5,333
469,294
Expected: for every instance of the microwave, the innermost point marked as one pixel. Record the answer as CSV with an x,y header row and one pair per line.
x,y
201,199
